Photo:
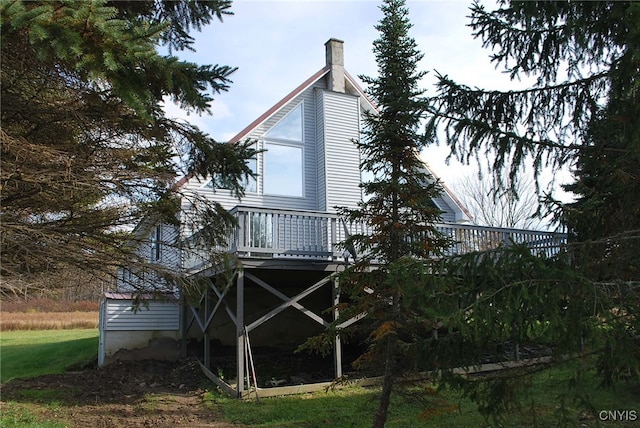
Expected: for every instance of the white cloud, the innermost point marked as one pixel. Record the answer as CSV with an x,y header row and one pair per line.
x,y
220,111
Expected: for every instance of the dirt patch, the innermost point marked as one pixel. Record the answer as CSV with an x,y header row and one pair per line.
x,y
126,394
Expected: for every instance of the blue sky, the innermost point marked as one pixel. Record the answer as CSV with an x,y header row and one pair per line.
x,y
276,45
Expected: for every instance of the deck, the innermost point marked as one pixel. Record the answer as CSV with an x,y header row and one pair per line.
x,y
287,240
314,236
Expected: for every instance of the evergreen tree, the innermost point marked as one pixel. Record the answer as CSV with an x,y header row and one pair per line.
x,y
86,148
582,113
399,213
604,221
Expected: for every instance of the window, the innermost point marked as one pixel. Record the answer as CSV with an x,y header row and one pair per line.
x,y
250,184
283,156
289,127
283,170
156,250
260,233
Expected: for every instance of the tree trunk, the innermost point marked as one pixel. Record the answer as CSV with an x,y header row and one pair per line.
x,y
387,386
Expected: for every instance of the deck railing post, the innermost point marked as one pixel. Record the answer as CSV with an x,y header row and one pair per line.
x,y
275,231
505,239
332,233
239,240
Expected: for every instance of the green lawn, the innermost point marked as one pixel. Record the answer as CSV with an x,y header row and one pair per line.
x,y
540,406
34,353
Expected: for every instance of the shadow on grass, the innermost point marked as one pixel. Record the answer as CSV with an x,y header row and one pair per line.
x,y
30,360
349,407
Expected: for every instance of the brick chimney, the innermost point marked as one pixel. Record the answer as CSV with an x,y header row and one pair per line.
x,y
335,60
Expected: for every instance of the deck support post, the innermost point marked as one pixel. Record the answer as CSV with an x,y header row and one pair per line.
x,y
184,322
240,332
337,345
207,337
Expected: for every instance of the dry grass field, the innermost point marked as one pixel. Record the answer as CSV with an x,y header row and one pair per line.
x,y
47,320
48,314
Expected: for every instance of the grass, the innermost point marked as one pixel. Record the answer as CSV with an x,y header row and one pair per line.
x,y
540,400
49,305
32,353
13,321
35,353
334,408
48,402
352,407
349,407
17,415
48,314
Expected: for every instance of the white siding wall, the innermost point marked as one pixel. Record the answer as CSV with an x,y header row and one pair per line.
x,y
342,159
122,329
169,249
448,216
320,150
151,315
331,161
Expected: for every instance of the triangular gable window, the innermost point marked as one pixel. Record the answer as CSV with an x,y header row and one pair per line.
x,y
289,127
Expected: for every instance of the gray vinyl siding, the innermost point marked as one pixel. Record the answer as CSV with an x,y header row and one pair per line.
x,y
448,215
331,163
170,258
320,150
342,159
152,315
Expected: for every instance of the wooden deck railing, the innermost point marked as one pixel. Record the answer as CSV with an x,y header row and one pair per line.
x,y
272,233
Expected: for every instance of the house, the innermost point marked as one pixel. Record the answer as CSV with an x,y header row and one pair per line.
x,y
285,241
